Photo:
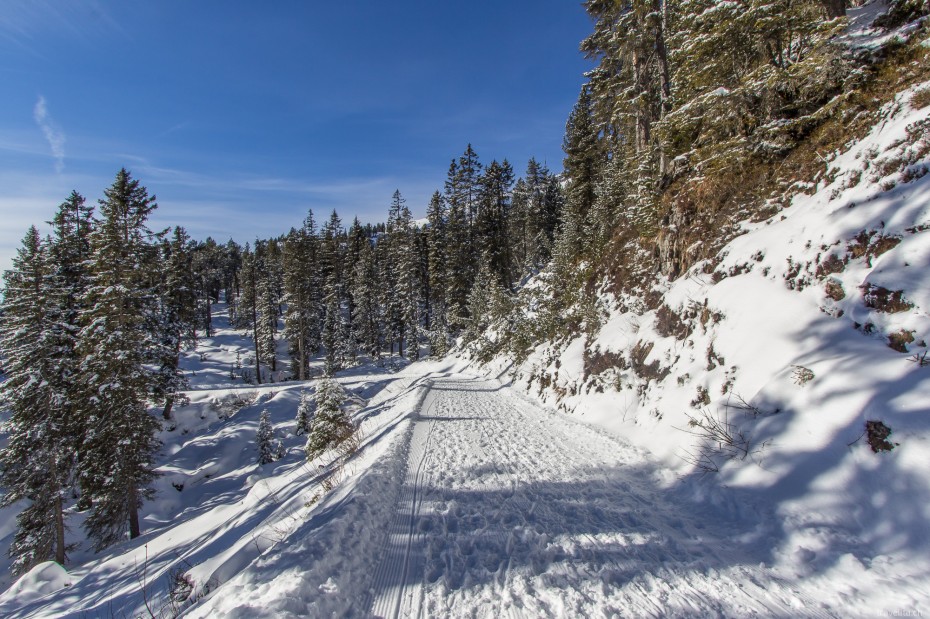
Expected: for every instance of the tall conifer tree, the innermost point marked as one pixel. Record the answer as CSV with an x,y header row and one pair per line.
x,y
116,465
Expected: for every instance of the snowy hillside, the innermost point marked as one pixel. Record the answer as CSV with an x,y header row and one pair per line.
x,y
762,368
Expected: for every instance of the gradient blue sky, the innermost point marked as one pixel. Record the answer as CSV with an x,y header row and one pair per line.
x,y
241,116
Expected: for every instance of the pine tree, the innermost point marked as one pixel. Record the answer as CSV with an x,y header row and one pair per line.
x,y
334,328
267,315
492,222
248,303
364,293
437,275
304,414
177,319
479,300
208,260
36,464
267,450
405,299
330,425
116,465
583,163
459,263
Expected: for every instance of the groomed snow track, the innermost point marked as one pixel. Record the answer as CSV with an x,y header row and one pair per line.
x,y
509,511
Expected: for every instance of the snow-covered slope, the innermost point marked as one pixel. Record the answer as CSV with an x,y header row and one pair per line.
x,y
764,366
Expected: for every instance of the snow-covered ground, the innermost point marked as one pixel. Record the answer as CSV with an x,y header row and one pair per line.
x,y
570,485
806,327
467,498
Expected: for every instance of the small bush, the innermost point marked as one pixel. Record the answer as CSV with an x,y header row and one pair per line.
x,y
834,290
669,323
269,450
721,439
877,434
899,341
331,426
701,399
830,265
233,403
304,414
884,300
597,362
802,375
920,99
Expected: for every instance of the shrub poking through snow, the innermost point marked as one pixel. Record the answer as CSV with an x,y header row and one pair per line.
x,y
877,434
267,450
884,300
304,414
721,439
899,340
802,375
330,426
834,290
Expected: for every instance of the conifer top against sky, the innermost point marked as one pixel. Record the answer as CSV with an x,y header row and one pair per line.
x,y
231,112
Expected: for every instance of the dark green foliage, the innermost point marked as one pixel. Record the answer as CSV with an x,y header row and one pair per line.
x,y
116,467
39,456
267,450
304,414
302,296
330,426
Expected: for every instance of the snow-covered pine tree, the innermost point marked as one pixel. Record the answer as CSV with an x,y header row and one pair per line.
x,y
406,296
304,414
208,263
116,465
177,319
479,300
248,303
36,464
364,294
267,315
332,326
436,276
492,220
301,318
330,424
459,271
267,451
583,164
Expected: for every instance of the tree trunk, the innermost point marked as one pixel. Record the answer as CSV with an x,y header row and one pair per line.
x,y
208,318
59,516
301,342
59,532
134,530
258,366
169,402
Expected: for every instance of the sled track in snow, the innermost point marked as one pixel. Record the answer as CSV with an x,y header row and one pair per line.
x,y
509,511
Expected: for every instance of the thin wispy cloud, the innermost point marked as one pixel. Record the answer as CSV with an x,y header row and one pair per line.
x,y
54,137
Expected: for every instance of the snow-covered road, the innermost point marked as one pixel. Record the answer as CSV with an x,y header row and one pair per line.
x,y
508,510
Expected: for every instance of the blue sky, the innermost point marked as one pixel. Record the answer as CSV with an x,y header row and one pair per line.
x,y
241,116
